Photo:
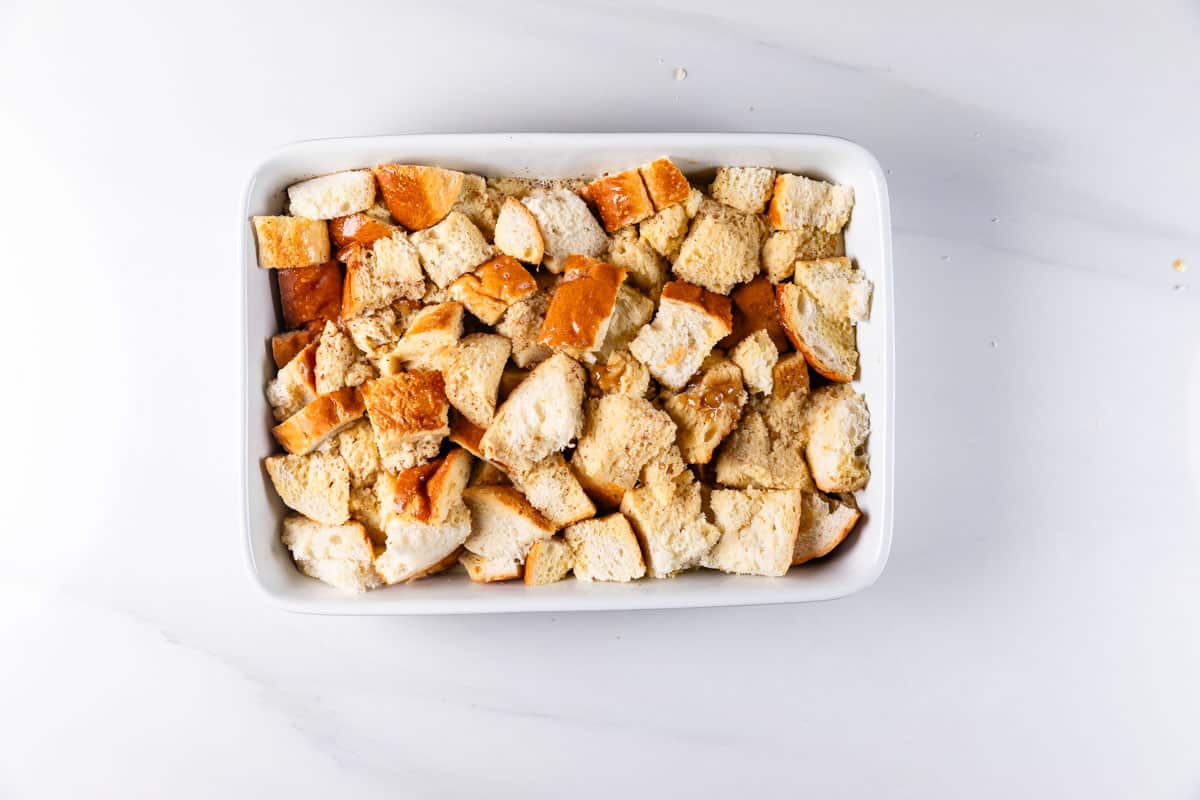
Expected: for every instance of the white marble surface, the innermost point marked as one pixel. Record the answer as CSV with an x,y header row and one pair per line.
x,y
1036,632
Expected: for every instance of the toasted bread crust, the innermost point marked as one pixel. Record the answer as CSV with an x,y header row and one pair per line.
x,y
310,294
466,434
289,242
418,196
358,228
517,232
665,184
285,346
493,287
620,199
581,306
784,301
714,305
407,403
424,493
320,419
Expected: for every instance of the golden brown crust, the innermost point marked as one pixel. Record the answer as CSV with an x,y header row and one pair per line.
x,y
319,420
493,287
754,309
581,305
713,304
418,196
466,434
407,403
310,294
665,184
475,565
837,540
444,316
358,229
422,493
289,242
285,346
790,375
620,199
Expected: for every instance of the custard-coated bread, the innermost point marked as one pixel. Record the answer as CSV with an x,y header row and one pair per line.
x,y
334,195
418,196
287,242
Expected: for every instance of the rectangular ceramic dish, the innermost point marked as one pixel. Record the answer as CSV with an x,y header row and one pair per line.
x,y
853,566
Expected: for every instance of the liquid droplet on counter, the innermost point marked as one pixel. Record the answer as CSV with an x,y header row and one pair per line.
x,y
680,73
1178,265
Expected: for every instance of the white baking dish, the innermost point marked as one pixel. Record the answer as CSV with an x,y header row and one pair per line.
x,y
854,565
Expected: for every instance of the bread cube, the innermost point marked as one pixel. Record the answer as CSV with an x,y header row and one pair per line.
x,y
551,487
667,515
410,415
837,423
330,196
377,277
707,410
418,196
323,417
310,294
430,331
840,289
480,203
758,531
491,289
285,346
690,320
605,549
747,189
542,416
798,201
756,356
549,561
522,324
450,248
665,184
582,306
490,570
503,523
825,522
426,493
288,242
754,309
361,228
665,232
827,342
621,434
339,555
721,250
418,549
647,270
517,233
783,249
566,225
317,485
620,199
472,369
295,385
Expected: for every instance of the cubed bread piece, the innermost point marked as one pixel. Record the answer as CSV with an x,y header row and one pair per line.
x,y
522,324
690,320
549,561
377,332
338,362
620,435
417,549
472,369
721,250
551,487
410,415
426,493
754,309
756,356
605,549
647,269
826,521
542,416
490,570
744,460
295,385
325,416
707,410
582,306
522,187
828,343
620,199
362,228
665,184
285,346
667,515
452,247
418,196
334,195
517,233
798,201
356,445
503,523
317,485
783,249
567,227
492,288
480,203
837,424
620,373
665,231
431,330
339,555
287,242
310,294
758,531
378,276
466,434
841,290
631,311
747,189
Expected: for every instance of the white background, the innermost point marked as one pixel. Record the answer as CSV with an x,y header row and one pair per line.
x,y
1037,631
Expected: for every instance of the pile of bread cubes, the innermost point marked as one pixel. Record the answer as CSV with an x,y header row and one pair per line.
x,y
619,377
